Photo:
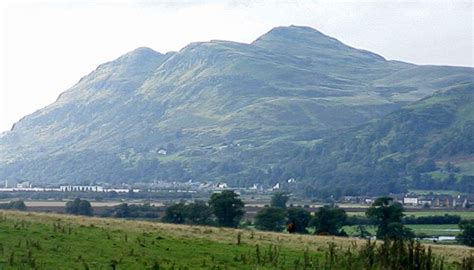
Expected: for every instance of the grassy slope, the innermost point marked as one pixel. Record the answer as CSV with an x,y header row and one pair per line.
x,y
438,127
97,242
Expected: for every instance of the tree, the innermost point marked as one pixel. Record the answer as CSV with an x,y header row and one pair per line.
x,y
18,205
122,211
271,219
175,213
466,237
85,208
198,213
387,216
329,220
300,218
227,207
15,205
279,199
79,207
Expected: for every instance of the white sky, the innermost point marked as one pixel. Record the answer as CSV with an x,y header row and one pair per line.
x,y
47,46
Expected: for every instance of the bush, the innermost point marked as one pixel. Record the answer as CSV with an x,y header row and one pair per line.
x,y
14,205
466,237
79,207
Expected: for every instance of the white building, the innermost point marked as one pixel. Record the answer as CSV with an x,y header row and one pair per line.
x,y
81,188
221,186
410,200
23,185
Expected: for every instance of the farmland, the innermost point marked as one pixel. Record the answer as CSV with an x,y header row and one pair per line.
x,y
423,213
427,229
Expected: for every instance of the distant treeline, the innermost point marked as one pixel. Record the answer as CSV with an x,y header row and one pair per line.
x,y
435,219
445,219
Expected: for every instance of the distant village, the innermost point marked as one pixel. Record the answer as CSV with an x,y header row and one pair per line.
x,y
189,186
418,200
409,199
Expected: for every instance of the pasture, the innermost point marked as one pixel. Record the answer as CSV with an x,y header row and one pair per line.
x,y
54,241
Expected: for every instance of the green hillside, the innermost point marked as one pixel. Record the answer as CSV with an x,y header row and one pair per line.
x,y
214,111
52,241
425,145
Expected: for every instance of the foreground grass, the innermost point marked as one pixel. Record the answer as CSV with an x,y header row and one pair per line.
x,y
52,241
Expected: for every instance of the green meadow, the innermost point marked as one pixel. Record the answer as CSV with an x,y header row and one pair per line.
x,y
53,241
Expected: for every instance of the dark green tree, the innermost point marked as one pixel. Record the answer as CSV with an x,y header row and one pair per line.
x,y
227,207
271,219
466,237
122,211
175,213
198,213
387,216
18,205
79,207
85,208
279,199
329,220
15,205
300,219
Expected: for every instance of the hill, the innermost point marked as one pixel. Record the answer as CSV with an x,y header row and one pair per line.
x,y
46,241
428,144
214,111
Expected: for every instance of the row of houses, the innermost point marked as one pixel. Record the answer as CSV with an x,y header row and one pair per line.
x,y
68,188
410,199
459,201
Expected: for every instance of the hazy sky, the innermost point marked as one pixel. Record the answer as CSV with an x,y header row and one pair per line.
x,y
47,46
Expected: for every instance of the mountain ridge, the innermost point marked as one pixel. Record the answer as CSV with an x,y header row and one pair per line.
x,y
199,103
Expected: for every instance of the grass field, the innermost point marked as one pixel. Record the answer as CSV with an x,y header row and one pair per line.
x,y
428,229
435,230
462,214
53,241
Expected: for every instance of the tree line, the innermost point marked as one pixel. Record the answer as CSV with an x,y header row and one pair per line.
x,y
226,209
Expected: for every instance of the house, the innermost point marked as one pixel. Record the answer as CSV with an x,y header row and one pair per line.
x,y
425,201
25,184
410,200
221,186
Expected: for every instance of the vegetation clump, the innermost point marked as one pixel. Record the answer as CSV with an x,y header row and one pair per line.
x,y
387,216
79,207
227,207
467,233
14,205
